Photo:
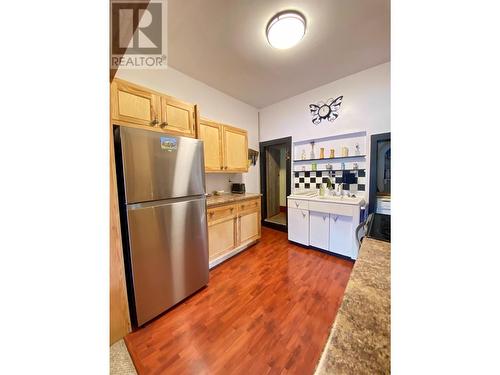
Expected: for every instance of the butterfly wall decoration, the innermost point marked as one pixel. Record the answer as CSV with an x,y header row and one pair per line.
x,y
325,111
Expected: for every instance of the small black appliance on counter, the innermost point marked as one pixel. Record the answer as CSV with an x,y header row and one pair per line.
x,y
238,188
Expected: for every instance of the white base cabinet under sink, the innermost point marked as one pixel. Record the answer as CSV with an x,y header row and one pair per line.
x,y
324,225
319,228
298,225
341,235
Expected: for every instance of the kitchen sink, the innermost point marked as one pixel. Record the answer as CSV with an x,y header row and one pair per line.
x,y
344,199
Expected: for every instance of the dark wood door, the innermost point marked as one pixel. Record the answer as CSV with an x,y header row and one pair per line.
x,y
273,181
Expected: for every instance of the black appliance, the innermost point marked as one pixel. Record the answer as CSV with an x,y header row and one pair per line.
x,y
379,227
238,188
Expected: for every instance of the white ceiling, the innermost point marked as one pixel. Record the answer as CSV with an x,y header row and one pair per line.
x,y
223,44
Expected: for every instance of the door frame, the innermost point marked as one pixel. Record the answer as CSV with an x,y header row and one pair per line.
x,y
263,178
375,138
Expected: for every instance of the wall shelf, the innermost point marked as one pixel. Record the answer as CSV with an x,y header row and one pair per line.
x,y
337,158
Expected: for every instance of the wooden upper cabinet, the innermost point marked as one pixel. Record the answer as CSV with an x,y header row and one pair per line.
x,y
235,145
211,134
133,104
178,117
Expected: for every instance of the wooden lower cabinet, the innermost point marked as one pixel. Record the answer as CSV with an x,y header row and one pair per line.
x,y
249,226
232,226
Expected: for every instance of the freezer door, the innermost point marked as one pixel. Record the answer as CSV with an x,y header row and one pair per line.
x,y
159,166
168,253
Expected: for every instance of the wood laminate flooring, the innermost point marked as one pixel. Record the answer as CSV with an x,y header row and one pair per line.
x,y
268,310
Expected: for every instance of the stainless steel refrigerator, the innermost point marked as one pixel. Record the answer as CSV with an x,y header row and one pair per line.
x,y
161,184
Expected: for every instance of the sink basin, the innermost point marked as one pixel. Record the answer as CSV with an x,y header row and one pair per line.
x,y
313,196
342,199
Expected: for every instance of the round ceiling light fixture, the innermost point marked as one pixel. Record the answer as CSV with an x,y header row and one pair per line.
x,y
286,29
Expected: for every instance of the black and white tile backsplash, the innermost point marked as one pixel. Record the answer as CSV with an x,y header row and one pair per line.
x,y
352,180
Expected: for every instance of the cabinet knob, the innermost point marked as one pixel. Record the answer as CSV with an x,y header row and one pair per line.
x,y
221,167
225,167
324,218
154,122
164,124
297,204
303,214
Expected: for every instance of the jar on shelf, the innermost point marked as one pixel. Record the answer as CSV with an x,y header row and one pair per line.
x,y
332,153
345,152
322,153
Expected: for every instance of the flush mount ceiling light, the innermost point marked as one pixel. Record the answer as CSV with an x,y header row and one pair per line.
x,y
286,29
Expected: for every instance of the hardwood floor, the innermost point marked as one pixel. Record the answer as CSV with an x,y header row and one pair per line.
x,y
267,310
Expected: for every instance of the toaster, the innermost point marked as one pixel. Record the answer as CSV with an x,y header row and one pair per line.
x,y
238,188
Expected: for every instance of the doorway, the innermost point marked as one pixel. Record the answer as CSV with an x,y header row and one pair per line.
x,y
275,174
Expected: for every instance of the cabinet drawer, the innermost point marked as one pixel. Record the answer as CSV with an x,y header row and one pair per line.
x,y
223,212
296,203
248,205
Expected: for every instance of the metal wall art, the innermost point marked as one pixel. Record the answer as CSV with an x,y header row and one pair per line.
x,y
325,111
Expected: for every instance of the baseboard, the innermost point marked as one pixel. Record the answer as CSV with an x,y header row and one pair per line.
x,y
232,253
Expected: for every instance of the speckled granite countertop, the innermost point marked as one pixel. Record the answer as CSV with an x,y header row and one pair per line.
x,y
217,200
360,339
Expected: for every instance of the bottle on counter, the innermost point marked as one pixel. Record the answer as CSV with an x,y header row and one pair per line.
x,y
321,190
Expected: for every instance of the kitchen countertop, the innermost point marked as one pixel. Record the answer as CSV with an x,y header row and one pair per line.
x,y
217,200
359,341
358,201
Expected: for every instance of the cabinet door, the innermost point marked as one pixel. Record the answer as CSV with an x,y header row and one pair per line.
x,y
133,104
235,144
298,225
177,117
221,238
319,228
341,234
211,134
249,226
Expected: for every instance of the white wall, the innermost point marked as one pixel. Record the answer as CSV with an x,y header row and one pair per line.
x,y
213,105
365,107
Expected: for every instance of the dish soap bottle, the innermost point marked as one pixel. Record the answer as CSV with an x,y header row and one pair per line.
x,y
321,190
